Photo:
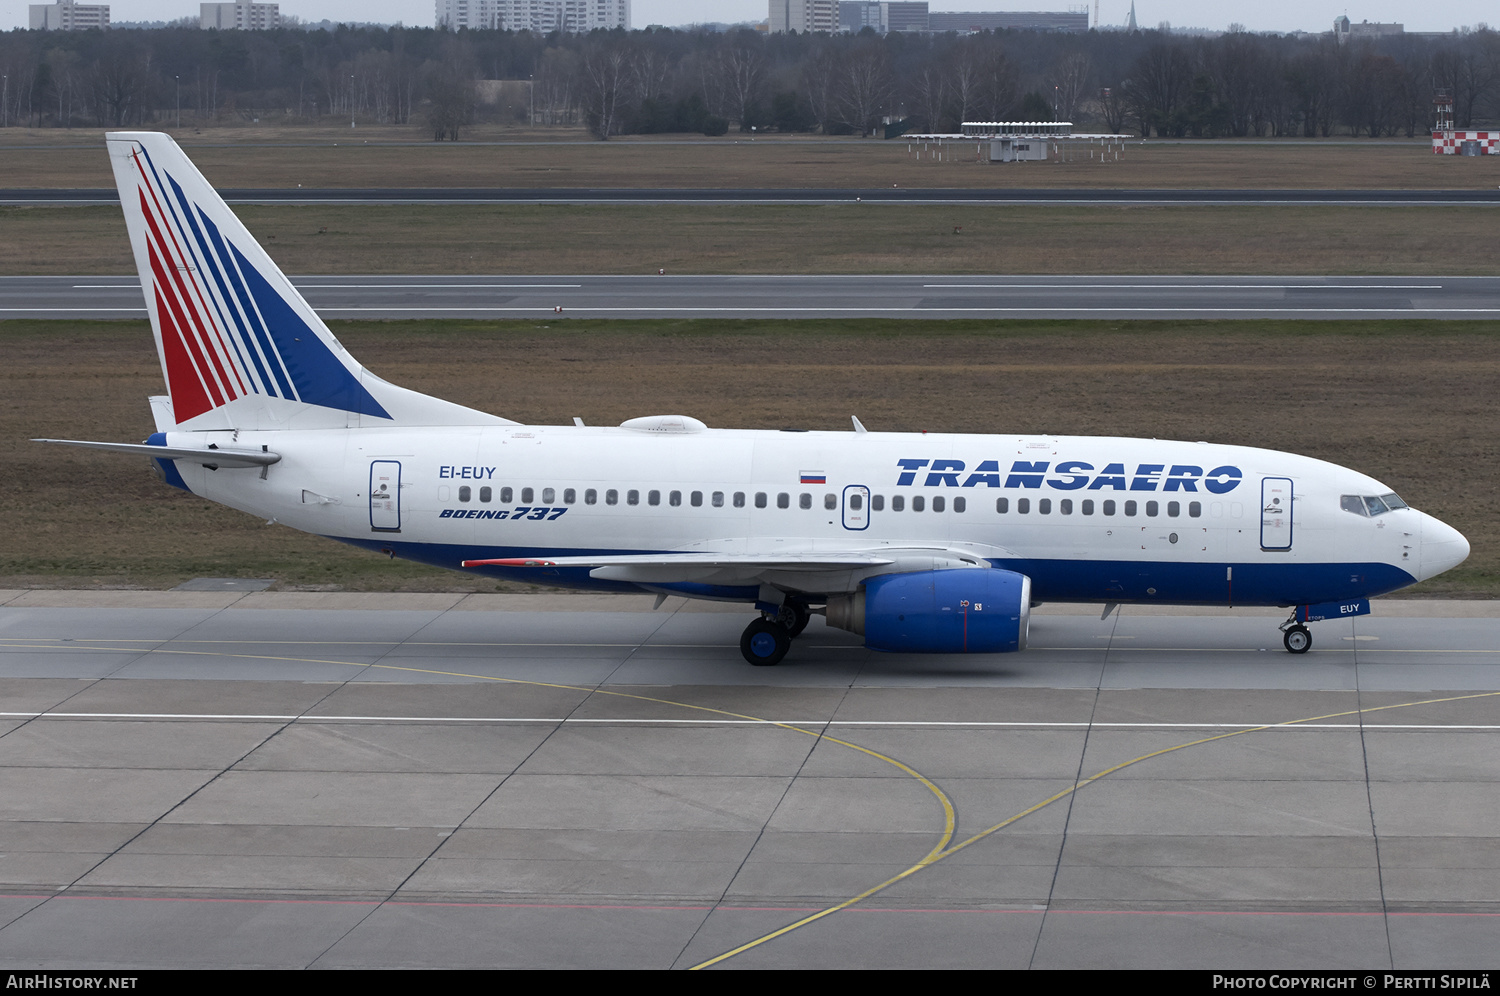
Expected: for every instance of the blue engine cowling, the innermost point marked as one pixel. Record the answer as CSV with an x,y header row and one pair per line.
x,y
961,611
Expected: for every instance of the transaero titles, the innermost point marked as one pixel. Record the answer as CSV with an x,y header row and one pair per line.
x,y
1068,475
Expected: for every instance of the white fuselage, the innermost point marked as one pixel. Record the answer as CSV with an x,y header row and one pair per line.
x,y
1088,518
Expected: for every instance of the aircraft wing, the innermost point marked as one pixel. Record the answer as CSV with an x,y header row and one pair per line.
x,y
823,561
810,571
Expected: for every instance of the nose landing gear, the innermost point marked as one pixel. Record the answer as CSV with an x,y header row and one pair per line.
x,y
1295,637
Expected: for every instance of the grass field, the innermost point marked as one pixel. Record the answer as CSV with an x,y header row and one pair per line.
x,y
1411,403
844,238
398,157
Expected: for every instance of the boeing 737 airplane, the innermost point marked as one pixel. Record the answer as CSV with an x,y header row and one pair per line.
x,y
920,543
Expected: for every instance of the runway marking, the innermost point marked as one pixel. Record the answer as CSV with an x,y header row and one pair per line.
x,y
663,721
1190,286
61,643
685,908
424,286
1065,793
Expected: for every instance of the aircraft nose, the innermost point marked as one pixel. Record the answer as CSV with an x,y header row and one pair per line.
x,y
1443,547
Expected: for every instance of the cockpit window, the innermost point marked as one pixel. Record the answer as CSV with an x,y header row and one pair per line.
x,y
1371,505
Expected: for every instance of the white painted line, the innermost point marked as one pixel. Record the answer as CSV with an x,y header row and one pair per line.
x,y
913,723
1200,286
384,286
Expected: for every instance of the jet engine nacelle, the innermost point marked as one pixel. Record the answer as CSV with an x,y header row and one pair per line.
x,y
961,611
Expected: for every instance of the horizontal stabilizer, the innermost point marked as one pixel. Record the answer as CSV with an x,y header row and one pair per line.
x,y
209,457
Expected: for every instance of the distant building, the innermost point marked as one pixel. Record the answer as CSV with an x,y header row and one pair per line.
x,y
1343,29
804,15
537,16
1076,21
245,16
68,16
884,17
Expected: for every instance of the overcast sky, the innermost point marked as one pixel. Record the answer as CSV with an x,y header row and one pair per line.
x,y
1261,15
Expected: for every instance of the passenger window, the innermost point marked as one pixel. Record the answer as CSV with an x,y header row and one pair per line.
x,y
653,497
1174,508
1002,505
485,494
937,503
1130,507
760,499
570,496
959,504
1088,506
526,494
1065,506
918,503
1023,506
877,503
1044,506
1152,508
549,495
739,499
1195,509
611,497
856,502
696,499
783,500
804,500
464,493
506,496
591,497
898,502
1109,506
632,497
830,501
718,499
674,499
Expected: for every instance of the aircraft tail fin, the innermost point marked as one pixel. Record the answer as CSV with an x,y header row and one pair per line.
x,y
239,346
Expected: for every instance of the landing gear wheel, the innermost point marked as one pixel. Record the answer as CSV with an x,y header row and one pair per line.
x,y
1297,639
765,643
793,617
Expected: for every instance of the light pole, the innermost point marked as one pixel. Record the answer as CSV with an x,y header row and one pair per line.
x,y
351,101
5,103
179,100
531,100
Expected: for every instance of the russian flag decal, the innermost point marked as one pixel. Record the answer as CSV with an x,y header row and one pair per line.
x,y
814,477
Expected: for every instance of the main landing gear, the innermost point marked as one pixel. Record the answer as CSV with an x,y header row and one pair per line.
x,y
1295,637
767,639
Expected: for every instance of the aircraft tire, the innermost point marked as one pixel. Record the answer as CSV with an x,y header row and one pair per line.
x,y
764,643
794,618
1297,640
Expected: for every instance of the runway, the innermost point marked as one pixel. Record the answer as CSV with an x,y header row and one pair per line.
x,y
868,296
785,195
231,779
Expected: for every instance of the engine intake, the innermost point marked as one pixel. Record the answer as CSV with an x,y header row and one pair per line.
x,y
961,611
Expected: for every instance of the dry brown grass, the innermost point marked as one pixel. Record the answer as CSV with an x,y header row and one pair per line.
x,y
324,157
852,238
1409,403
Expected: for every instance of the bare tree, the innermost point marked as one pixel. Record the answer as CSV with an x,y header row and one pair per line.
x,y
1073,77
864,85
605,81
741,70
